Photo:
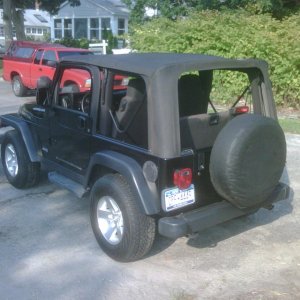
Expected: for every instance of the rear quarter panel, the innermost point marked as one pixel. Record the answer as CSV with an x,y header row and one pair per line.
x,y
15,66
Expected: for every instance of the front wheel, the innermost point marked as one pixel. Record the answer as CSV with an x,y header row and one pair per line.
x,y
18,87
122,231
19,170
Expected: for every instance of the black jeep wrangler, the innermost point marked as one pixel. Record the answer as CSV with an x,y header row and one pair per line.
x,y
153,142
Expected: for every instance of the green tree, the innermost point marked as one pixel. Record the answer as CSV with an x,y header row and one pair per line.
x,y
13,14
172,9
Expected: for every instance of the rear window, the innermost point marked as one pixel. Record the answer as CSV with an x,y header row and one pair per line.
x,y
23,52
62,54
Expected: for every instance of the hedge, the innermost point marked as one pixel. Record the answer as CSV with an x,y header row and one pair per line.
x,y
233,34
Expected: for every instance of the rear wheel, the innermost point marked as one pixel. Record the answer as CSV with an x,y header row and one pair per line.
x,y
122,231
19,170
18,87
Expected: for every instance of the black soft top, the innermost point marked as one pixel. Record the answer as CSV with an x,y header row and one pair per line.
x,y
149,63
161,72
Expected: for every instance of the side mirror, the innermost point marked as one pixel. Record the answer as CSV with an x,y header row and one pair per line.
x,y
52,63
43,85
44,82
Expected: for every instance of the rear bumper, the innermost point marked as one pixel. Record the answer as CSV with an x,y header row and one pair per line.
x,y
208,216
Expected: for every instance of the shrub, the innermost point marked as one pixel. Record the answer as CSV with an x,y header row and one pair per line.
x,y
233,34
84,43
70,42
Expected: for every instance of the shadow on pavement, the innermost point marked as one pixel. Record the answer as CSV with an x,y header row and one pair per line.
x,y
211,237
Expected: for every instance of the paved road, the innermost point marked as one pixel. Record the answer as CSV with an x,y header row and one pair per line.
x,y
8,102
47,249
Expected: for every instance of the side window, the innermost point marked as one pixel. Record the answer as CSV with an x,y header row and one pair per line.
x,y
74,90
128,107
38,56
49,56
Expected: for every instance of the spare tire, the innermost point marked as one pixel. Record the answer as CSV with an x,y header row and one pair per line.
x,y
247,159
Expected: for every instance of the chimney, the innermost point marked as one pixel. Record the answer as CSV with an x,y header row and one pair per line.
x,y
37,5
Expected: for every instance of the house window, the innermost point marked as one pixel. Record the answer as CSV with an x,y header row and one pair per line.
x,y
81,28
28,30
94,29
121,26
105,28
1,31
67,28
40,31
58,28
33,30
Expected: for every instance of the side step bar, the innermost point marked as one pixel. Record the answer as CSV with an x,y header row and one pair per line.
x,y
67,183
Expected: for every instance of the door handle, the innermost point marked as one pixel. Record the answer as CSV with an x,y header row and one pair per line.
x,y
81,122
40,69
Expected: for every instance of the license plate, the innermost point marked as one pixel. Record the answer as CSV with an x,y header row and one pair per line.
x,y
175,198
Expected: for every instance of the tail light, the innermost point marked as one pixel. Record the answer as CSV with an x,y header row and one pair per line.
x,y
240,110
88,83
183,178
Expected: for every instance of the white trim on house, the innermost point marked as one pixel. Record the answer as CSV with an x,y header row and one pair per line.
x,y
76,22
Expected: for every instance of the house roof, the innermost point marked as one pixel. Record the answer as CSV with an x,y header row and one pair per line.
x,y
115,7
36,18
32,17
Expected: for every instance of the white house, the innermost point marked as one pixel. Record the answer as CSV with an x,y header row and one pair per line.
x,y
90,20
36,24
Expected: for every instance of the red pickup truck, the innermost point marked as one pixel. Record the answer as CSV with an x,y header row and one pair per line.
x,y
25,62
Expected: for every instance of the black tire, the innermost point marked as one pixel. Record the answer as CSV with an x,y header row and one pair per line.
x,y
19,89
247,160
19,170
138,233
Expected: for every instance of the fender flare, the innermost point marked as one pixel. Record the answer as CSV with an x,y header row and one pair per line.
x,y
132,171
22,127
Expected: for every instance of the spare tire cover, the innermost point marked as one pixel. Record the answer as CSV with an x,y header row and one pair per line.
x,y
247,159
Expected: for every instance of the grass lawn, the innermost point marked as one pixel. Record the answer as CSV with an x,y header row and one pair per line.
x,y
290,125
